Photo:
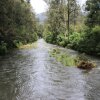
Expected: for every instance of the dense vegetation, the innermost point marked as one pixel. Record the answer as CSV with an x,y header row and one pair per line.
x,y
89,40
81,61
17,24
68,26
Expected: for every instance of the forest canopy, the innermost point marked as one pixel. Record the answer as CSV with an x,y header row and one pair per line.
x,y
68,26
17,24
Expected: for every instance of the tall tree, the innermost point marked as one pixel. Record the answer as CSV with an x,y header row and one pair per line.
x,y
93,12
17,22
61,15
72,12
56,18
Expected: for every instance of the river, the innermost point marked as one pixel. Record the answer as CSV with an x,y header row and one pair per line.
x,y
31,74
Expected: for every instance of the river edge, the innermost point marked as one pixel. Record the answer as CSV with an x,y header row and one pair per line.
x,y
65,50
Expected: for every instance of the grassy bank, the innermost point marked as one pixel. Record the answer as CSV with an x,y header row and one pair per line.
x,y
80,61
28,46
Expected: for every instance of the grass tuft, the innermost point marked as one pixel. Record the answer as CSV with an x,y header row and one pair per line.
x,y
81,61
28,46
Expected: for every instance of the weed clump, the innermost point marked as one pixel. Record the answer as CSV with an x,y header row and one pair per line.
x,y
85,65
81,61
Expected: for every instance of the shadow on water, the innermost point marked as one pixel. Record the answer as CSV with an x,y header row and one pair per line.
x,y
34,75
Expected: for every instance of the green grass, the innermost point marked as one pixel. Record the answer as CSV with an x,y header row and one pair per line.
x,y
64,58
28,46
68,60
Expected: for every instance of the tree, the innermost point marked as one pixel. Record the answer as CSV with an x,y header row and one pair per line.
x,y
56,18
93,12
61,15
72,12
17,23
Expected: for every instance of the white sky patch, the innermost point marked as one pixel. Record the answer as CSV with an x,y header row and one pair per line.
x,y
81,2
39,6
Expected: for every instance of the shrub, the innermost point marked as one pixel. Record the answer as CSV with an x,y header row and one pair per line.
x,y
85,65
83,62
74,40
62,40
48,36
90,41
3,48
17,43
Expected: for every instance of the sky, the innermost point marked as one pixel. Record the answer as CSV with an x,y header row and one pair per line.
x,y
82,2
40,6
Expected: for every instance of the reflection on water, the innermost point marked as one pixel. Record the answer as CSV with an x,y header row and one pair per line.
x,y
34,75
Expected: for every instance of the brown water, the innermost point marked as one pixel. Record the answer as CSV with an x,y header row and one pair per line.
x,y
31,74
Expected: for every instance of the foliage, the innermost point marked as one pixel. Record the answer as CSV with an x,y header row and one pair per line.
x,y
64,58
56,20
40,30
3,48
80,61
48,36
17,23
60,15
83,38
66,27
93,10
62,40
74,11
74,39
90,42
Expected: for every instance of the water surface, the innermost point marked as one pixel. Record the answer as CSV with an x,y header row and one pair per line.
x,y
31,74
